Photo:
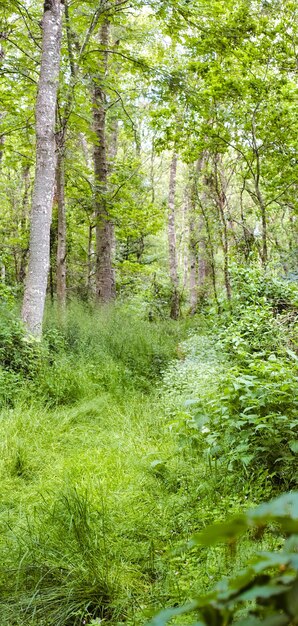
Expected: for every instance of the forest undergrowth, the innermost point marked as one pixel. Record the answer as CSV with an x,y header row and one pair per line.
x,y
120,442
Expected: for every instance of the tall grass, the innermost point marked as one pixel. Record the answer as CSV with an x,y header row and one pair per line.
x,y
77,488
111,349
100,492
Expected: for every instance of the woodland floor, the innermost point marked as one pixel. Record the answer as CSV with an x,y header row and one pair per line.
x,y
104,495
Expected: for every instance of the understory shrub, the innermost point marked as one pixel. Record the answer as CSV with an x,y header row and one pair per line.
x,y
20,357
253,421
254,285
248,425
254,331
18,354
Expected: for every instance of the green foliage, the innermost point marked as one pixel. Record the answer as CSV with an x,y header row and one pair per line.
x,y
17,353
253,285
20,356
99,498
252,330
249,422
6,295
266,591
111,349
253,421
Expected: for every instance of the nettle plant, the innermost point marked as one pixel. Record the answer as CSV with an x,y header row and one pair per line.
x,y
253,425
263,318
263,594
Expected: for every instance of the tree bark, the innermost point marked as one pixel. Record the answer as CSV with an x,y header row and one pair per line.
x,y
185,239
197,244
24,223
172,241
2,136
221,199
113,149
43,192
209,246
61,234
193,245
259,195
105,283
193,265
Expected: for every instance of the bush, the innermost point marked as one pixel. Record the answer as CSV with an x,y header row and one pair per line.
x,y
17,353
251,427
20,358
253,424
253,285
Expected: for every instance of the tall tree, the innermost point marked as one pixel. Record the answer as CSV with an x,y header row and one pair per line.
x,y
172,240
43,192
105,286
61,234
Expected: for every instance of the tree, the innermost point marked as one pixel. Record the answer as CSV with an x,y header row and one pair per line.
x,y
172,241
43,192
105,287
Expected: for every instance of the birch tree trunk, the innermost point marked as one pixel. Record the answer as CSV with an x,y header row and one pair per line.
x,y
172,241
43,191
197,244
105,284
61,234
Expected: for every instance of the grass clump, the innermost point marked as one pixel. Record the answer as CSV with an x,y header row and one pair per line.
x,y
64,576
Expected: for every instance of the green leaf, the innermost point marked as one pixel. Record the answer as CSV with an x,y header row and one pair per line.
x,y
165,616
294,446
292,600
221,532
272,620
264,592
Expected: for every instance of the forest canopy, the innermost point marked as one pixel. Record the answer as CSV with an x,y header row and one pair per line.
x,y
175,134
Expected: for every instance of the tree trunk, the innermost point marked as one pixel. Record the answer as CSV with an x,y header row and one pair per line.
x,y
193,245
113,149
197,243
221,199
172,241
209,245
259,196
61,234
2,136
24,223
43,192
193,265
105,284
185,240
